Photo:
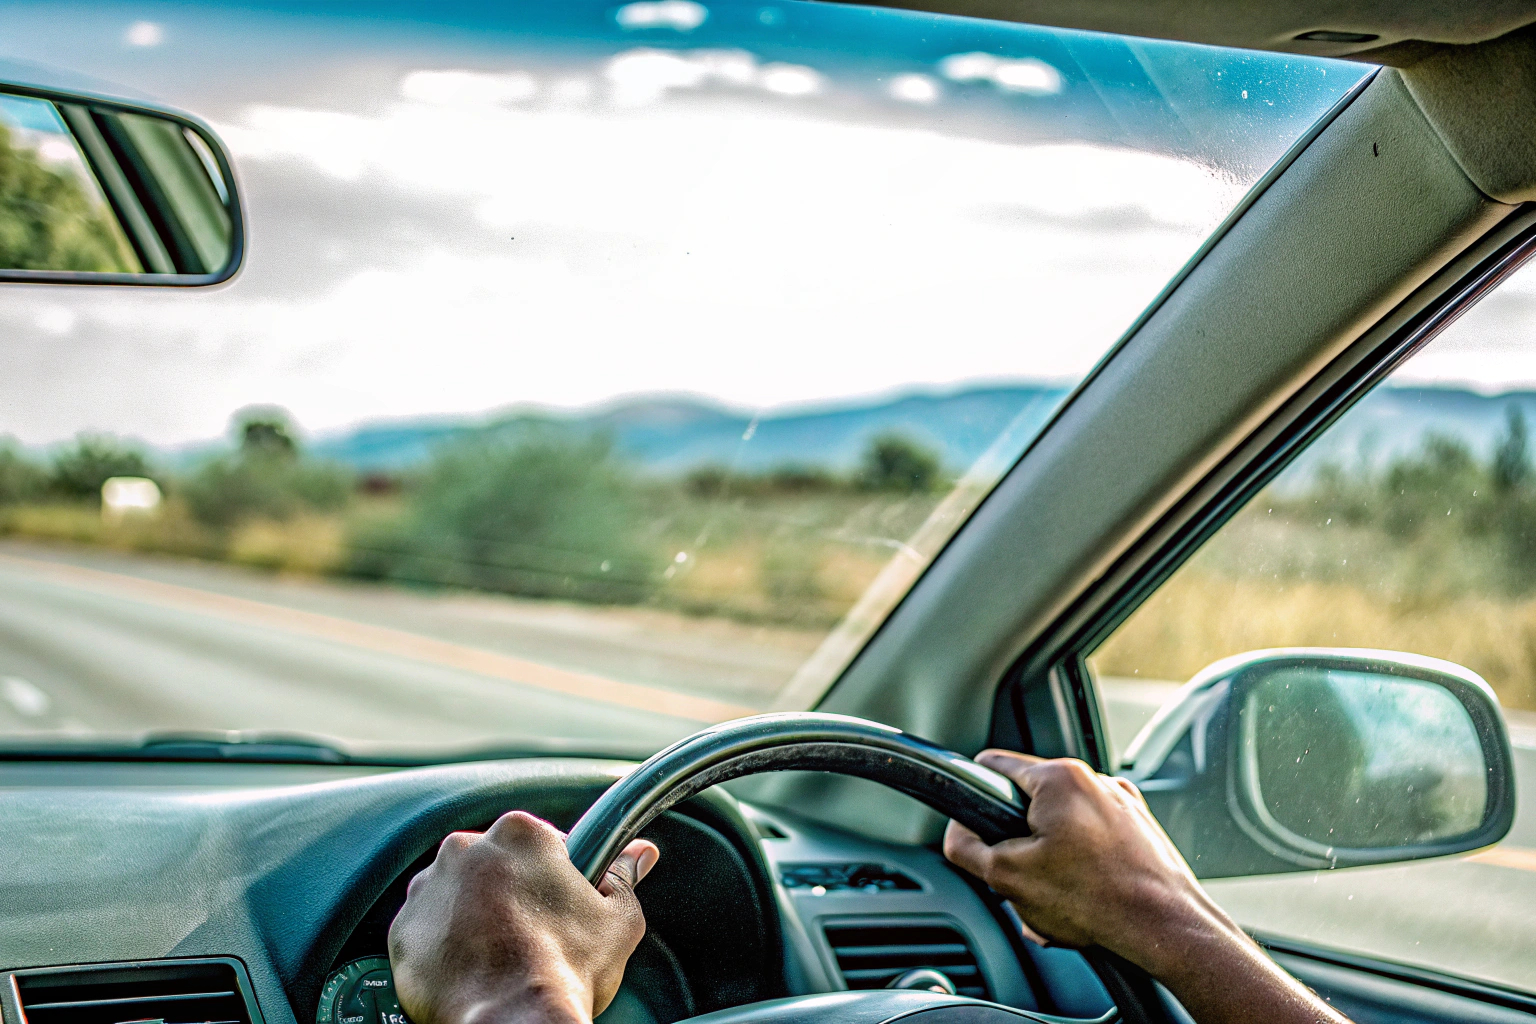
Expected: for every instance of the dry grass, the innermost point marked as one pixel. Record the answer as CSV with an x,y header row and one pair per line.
x,y
313,545
305,544
798,561
1198,617
170,531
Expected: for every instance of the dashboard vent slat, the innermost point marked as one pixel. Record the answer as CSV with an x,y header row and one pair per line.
x,y
873,955
187,992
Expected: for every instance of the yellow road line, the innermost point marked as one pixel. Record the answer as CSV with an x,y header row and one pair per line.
x,y
1507,857
384,640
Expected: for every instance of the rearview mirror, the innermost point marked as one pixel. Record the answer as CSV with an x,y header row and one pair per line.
x,y
104,191
1300,759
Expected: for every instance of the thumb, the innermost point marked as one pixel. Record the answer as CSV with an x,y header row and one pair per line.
x,y
629,867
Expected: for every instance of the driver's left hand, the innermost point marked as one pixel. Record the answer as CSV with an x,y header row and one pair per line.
x,y
503,928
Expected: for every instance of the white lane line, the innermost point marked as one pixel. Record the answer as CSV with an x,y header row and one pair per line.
x,y
381,640
28,700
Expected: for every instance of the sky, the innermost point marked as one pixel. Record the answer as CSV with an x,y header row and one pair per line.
x,y
455,207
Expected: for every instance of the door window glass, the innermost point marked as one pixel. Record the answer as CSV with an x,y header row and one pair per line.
x,y
1409,525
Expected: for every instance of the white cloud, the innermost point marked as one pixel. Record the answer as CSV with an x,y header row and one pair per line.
x,y
760,252
459,88
1027,75
680,15
674,247
642,76
914,88
572,90
790,79
144,33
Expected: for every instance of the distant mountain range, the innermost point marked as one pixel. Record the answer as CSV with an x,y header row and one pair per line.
x,y
669,435
1392,422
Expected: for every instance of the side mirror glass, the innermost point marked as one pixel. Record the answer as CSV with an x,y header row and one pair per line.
x,y
101,191
1300,759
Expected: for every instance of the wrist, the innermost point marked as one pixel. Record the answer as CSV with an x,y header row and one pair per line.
x,y
531,1003
1179,931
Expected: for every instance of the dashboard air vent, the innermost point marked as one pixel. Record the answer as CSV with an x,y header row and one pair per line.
x,y
872,955
185,992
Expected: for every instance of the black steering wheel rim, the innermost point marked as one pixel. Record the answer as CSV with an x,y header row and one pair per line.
x,y
952,784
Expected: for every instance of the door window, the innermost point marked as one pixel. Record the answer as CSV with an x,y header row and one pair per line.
x,y
1409,525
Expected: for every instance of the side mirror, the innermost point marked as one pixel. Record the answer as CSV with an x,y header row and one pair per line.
x,y
1300,759
104,191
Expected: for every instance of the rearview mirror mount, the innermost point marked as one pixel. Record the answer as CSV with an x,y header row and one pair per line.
x,y
1303,759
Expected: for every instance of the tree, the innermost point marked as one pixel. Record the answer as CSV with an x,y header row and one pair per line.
x,y
1511,460
267,476
268,437
893,462
79,471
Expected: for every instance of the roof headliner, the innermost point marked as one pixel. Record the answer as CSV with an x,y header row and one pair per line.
x,y
1386,31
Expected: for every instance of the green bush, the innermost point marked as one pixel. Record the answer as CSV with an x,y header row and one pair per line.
x,y
20,478
80,470
235,489
268,477
1466,523
551,516
893,462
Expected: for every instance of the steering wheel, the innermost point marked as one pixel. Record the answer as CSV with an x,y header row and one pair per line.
x,y
981,799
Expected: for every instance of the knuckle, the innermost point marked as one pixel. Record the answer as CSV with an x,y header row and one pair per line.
x,y
455,843
418,882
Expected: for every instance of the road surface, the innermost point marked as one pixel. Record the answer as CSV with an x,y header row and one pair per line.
x,y
95,641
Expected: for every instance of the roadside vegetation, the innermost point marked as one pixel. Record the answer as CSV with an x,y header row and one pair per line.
x,y
552,513
1433,553
48,220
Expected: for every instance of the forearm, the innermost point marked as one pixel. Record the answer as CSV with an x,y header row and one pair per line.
x,y
1221,976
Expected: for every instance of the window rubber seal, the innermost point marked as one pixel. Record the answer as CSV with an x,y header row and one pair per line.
x,y
1424,977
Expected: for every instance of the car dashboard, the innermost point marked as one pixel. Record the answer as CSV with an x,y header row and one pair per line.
x,y
262,894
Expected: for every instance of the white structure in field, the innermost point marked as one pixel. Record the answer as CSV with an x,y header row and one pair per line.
x,y
129,495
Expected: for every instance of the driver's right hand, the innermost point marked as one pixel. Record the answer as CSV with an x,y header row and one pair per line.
x,y
1098,869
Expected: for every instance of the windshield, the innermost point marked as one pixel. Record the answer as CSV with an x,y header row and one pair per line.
x,y
596,372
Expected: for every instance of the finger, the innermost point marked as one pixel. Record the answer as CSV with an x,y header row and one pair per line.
x,y
1007,762
1028,932
517,827
1000,760
629,867
1035,774
453,845
965,849
1130,787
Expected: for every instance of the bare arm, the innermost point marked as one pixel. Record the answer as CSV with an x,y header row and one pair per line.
x,y
1099,870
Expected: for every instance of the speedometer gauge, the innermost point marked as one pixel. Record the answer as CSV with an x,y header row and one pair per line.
x,y
362,992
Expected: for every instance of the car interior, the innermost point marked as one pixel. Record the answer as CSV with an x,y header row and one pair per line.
x,y
222,881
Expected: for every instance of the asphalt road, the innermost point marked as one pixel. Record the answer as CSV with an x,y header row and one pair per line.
x,y
94,641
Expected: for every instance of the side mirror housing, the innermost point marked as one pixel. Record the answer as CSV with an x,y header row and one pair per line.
x,y
1302,759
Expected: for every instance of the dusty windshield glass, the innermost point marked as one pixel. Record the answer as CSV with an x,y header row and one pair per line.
x,y
597,371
